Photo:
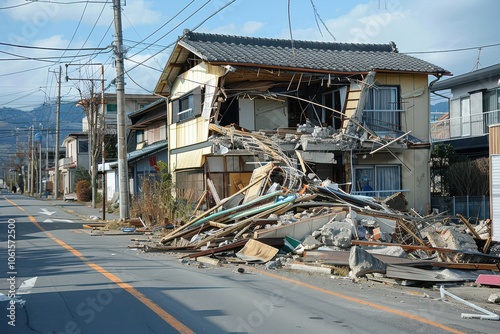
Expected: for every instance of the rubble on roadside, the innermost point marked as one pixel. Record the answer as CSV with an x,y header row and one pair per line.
x,y
284,219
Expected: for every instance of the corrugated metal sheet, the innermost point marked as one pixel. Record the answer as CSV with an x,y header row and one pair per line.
x,y
495,139
192,159
495,196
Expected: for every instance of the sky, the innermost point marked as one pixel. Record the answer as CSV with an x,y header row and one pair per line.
x,y
39,37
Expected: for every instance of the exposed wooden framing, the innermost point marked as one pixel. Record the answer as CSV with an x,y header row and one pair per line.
x,y
471,228
173,234
487,245
402,224
239,225
389,143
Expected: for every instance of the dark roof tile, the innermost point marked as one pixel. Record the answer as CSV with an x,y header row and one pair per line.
x,y
324,56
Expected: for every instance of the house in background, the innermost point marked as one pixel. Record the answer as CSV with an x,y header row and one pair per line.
x,y
76,146
148,137
133,102
357,114
474,106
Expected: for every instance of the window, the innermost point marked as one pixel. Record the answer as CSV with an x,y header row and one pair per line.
x,y
382,109
111,108
465,114
139,136
378,180
188,106
491,103
83,146
331,100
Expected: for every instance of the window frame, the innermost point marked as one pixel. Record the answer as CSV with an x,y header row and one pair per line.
x,y
375,189
181,114
373,105
79,147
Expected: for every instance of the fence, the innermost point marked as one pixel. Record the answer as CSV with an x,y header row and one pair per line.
x,y
474,207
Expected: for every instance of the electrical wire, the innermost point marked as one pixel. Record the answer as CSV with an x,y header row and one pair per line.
x,y
193,29
154,32
53,49
453,50
77,27
170,31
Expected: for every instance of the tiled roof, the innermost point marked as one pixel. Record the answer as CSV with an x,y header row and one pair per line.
x,y
321,56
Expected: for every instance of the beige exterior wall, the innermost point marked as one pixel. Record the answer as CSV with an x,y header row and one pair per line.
x,y
415,177
415,101
194,131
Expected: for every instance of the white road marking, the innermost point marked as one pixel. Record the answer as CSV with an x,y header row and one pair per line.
x,y
47,212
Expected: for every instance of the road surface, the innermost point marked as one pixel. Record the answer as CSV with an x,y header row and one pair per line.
x,y
61,279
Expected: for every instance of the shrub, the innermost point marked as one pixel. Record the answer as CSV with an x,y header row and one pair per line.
x,y
157,204
84,191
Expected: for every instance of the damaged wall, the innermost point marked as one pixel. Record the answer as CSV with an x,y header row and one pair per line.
x,y
192,132
414,101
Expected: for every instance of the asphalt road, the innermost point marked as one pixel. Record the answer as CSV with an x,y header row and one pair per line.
x,y
67,281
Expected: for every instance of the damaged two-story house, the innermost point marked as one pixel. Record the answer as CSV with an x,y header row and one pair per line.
x,y
356,114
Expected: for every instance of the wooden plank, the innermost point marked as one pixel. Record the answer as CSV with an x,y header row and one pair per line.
x,y
239,225
213,191
208,260
471,228
258,174
173,234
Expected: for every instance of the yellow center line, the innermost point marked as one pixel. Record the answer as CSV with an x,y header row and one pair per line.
x,y
167,317
363,302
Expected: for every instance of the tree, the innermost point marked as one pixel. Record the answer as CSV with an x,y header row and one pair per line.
x,y
454,175
442,156
469,178
90,103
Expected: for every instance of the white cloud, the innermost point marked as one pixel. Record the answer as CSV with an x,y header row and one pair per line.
x,y
251,27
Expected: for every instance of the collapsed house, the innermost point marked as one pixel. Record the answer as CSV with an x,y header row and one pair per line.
x,y
306,143
355,114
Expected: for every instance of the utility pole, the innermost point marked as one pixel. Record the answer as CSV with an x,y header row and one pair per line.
x,y
120,97
56,154
32,165
103,125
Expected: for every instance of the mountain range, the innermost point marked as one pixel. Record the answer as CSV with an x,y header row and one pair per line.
x,y
15,126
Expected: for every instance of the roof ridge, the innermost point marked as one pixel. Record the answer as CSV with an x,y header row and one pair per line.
x,y
286,43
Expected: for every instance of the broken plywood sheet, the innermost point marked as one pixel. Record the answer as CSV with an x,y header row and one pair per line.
x,y
255,191
300,229
256,251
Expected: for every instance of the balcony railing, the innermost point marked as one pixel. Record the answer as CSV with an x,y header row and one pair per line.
x,y
382,120
65,161
468,126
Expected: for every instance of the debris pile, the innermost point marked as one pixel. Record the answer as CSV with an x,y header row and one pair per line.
x,y
285,218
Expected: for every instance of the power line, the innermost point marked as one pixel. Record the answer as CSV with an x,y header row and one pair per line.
x,y
54,49
45,59
453,50
193,29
